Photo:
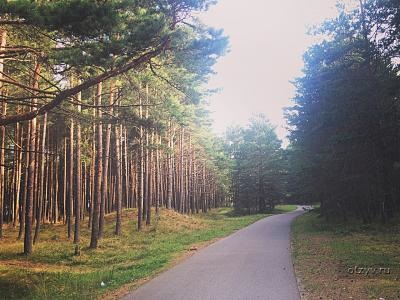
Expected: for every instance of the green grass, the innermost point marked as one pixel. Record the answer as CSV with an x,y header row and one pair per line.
x,y
285,208
53,272
325,252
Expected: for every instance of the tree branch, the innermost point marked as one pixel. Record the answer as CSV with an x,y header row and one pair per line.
x,y
63,95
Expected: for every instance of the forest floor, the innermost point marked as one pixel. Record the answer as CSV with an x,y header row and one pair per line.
x,y
346,260
54,272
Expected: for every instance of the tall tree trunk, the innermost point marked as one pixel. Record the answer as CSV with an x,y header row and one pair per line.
x,y
37,159
25,187
106,163
141,168
31,174
158,175
18,174
149,183
70,200
42,177
65,182
3,38
2,167
147,208
119,181
54,190
146,163
92,171
181,177
170,156
97,175
126,166
78,177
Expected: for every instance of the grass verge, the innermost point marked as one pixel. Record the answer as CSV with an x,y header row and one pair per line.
x,y
346,261
284,208
53,272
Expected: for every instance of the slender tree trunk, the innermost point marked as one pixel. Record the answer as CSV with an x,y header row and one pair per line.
x,y
141,168
170,171
37,158
106,163
97,175
118,177
149,183
31,174
158,176
65,184
147,208
42,178
126,167
146,163
92,172
181,177
2,162
25,187
78,179
70,180
54,190
3,38
18,171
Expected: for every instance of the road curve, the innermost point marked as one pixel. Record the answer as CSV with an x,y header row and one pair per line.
x,y
253,263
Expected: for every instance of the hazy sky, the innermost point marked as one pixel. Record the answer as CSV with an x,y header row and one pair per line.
x,y
267,40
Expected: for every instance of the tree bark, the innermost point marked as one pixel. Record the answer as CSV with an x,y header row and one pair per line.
x,y
78,178
3,38
170,171
42,177
71,191
106,162
141,168
97,175
25,187
31,174
119,181
2,167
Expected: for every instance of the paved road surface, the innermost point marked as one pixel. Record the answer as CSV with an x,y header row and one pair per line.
x,y
253,263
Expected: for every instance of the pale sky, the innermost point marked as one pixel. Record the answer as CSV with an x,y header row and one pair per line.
x,y
267,41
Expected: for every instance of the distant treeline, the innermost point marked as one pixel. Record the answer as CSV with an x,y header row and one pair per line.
x,y
258,166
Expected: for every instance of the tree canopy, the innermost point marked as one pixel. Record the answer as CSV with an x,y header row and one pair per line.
x,y
344,124
102,109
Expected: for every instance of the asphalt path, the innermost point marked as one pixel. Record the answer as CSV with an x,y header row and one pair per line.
x,y
253,263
